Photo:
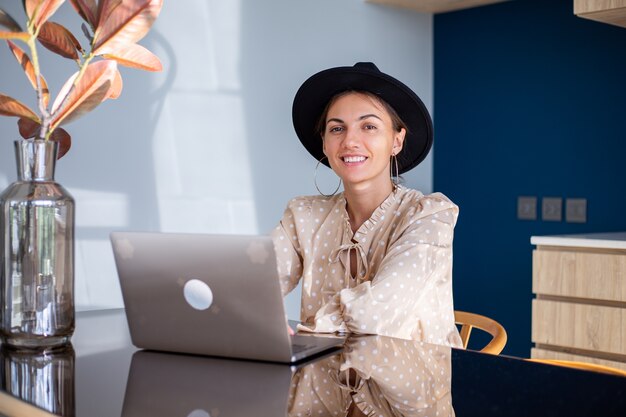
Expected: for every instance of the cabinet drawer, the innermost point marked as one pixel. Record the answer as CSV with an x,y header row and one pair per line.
x,y
598,276
550,354
580,326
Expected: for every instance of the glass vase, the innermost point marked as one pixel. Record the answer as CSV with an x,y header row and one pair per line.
x,y
44,378
37,252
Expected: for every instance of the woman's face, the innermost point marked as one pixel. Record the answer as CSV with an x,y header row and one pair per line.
x,y
359,139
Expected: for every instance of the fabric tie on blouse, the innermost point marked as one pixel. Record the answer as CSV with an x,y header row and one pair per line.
x,y
342,254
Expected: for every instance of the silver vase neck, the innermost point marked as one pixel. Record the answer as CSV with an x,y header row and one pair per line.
x,y
36,159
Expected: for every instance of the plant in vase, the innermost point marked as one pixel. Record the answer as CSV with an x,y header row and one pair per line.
x,y
37,214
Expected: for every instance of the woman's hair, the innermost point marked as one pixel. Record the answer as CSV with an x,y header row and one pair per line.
x,y
396,121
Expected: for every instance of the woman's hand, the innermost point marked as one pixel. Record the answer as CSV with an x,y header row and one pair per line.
x,y
290,330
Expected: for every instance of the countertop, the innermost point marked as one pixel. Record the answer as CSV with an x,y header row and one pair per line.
x,y
616,240
103,375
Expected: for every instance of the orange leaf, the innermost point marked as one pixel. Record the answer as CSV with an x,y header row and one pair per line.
x,y
116,87
65,141
42,8
87,9
105,8
91,90
29,129
12,107
136,56
27,66
59,40
127,24
8,22
31,5
23,36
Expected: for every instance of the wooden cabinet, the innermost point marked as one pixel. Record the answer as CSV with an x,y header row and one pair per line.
x,y
606,11
579,312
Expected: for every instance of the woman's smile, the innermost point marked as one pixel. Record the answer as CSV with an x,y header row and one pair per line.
x,y
359,140
353,160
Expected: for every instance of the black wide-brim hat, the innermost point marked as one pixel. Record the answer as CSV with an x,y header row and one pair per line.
x,y
315,93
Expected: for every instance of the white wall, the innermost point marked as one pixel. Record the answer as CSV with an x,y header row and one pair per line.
x,y
208,145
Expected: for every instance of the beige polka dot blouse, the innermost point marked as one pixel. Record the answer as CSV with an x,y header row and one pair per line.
x,y
402,286
381,376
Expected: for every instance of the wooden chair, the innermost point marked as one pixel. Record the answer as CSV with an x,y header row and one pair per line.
x,y
468,321
582,365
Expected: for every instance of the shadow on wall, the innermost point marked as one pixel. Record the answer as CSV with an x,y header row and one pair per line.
x,y
109,168
208,146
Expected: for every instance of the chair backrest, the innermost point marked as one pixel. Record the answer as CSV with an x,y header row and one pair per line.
x,y
470,320
583,365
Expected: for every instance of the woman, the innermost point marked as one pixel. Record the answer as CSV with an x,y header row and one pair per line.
x,y
377,258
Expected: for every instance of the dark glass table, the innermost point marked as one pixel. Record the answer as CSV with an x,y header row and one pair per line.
x,y
102,374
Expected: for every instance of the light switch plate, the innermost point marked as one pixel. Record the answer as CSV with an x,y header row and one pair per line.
x,y
551,209
576,210
527,208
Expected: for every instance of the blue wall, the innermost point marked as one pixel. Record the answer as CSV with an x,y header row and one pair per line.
x,y
529,100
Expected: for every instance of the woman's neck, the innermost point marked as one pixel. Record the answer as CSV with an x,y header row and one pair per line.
x,y
361,203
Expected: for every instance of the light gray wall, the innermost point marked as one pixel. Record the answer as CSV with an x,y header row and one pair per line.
x,y
208,145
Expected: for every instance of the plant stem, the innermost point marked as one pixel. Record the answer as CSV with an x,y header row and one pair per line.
x,y
45,114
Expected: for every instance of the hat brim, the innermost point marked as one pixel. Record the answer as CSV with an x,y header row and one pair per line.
x,y
316,92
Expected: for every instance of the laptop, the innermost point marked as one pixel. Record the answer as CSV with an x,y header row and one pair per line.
x,y
166,384
208,295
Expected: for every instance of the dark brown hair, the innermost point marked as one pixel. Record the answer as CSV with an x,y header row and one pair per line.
x,y
396,121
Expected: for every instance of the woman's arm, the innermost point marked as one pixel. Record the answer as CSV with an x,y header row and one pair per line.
x,y
288,257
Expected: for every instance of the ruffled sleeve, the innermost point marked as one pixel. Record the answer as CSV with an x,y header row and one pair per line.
x,y
288,251
410,295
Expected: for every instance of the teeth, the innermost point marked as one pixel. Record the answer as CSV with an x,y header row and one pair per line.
x,y
354,158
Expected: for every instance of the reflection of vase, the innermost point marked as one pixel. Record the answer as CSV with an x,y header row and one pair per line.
x,y
42,378
37,252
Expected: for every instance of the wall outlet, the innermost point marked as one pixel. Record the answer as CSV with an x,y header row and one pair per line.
x,y
527,208
551,209
576,210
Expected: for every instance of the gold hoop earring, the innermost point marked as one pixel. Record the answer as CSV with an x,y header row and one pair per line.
x,y
394,163
315,180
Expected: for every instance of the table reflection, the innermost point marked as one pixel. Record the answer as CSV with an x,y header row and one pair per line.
x,y
376,376
373,376
42,378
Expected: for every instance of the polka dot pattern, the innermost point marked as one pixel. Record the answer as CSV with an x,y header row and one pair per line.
x,y
402,285
381,376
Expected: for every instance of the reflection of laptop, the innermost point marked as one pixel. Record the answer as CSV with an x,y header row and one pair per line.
x,y
209,295
165,384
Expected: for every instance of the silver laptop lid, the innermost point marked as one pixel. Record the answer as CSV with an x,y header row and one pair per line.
x,y
203,294
165,384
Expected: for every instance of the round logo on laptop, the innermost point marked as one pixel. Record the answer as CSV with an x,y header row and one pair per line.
x,y
198,294
199,413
